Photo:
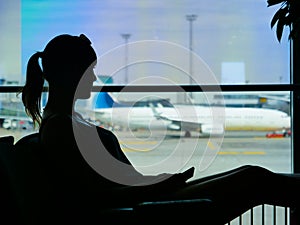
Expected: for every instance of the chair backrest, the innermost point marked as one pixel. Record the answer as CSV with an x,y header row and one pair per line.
x,y
10,212
26,181
7,139
29,139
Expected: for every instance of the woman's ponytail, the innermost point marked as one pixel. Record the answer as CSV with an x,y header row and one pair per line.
x,y
32,90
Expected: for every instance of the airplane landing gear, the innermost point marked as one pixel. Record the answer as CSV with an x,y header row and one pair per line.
x,y
187,134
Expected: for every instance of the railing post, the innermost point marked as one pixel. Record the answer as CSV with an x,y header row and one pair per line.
x,y
295,112
274,215
263,214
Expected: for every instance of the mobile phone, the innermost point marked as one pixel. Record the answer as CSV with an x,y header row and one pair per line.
x,y
188,173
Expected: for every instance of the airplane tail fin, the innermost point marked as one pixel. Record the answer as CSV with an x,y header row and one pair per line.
x,y
103,100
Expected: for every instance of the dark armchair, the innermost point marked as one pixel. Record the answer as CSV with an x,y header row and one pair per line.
x,y
29,197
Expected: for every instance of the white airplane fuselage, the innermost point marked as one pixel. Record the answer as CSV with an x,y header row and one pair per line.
x,y
180,117
134,118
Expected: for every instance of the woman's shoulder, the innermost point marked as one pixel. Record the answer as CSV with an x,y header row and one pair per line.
x,y
105,132
108,138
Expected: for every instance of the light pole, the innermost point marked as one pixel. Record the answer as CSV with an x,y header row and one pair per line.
x,y
191,18
126,37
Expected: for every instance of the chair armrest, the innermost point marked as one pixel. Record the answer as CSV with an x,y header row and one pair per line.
x,y
160,212
175,212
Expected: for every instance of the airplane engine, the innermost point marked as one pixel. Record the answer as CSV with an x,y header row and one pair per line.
x,y
212,129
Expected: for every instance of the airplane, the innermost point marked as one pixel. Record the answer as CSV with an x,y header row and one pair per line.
x,y
134,115
238,119
161,114
279,102
267,99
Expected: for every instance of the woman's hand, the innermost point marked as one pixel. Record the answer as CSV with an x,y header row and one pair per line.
x,y
177,179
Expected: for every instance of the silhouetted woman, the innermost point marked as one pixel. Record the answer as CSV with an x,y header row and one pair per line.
x,y
73,147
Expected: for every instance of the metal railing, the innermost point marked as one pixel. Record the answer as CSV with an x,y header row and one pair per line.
x,y
265,215
177,88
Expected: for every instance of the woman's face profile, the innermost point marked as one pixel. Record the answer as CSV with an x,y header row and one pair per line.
x,y
85,84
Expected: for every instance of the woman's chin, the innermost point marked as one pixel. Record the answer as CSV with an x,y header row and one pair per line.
x,y
83,95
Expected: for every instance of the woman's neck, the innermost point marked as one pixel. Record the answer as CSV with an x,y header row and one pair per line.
x,y
60,102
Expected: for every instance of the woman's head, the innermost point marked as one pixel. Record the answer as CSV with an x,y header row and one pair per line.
x,y
64,61
66,58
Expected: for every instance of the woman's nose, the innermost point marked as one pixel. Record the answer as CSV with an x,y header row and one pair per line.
x,y
94,77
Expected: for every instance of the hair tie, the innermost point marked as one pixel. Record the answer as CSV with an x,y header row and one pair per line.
x,y
85,39
40,54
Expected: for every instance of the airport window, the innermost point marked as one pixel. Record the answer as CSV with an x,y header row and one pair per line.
x,y
231,48
188,79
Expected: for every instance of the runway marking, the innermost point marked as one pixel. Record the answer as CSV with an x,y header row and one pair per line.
x,y
211,145
241,153
250,139
136,150
138,142
219,153
254,153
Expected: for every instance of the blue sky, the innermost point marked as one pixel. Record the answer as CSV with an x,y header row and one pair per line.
x,y
224,31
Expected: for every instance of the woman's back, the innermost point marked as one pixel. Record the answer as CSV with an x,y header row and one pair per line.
x,y
59,134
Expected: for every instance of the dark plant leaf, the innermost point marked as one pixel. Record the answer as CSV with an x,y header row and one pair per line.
x,y
281,13
288,14
288,20
274,2
279,30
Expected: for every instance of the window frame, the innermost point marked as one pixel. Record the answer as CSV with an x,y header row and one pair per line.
x,y
293,88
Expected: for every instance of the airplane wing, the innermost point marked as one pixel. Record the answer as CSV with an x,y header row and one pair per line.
x,y
188,125
177,124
